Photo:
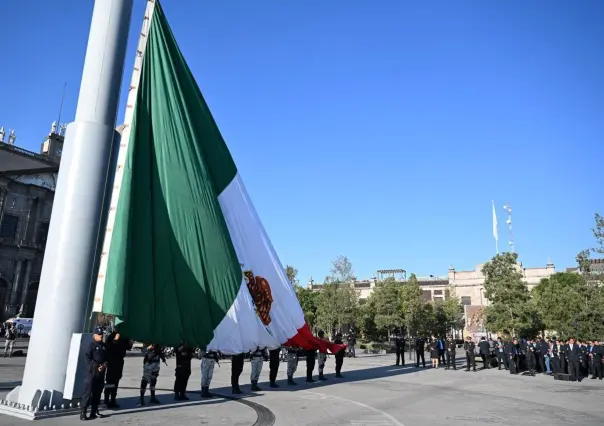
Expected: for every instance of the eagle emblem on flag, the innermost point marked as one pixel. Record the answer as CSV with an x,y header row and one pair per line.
x,y
260,290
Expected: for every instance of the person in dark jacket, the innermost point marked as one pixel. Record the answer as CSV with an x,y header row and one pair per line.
x,y
273,365
94,379
435,352
340,356
530,357
117,346
420,348
451,346
500,353
400,350
513,351
597,360
574,358
469,347
485,351
184,354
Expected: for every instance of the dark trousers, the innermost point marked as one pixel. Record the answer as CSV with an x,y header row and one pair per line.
x,y
273,364
530,363
513,364
93,388
441,353
597,369
485,360
470,360
573,370
400,356
236,368
501,360
310,366
451,360
554,363
420,354
340,361
182,379
563,365
112,379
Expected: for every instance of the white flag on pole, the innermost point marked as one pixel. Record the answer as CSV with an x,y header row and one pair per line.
x,y
495,234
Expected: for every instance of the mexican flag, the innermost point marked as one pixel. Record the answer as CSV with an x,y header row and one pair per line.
x,y
186,258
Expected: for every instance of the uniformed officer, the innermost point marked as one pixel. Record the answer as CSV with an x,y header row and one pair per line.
x,y
184,354
209,360
153,355
499,349
512,351
257,360
469,347
339,356
420,348
117,346
530,357
451,346
273,365
96,366
292,364
400,350
311,355
322,358
236,370
597,359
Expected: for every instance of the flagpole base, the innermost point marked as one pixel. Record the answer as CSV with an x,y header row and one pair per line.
x,y
45,404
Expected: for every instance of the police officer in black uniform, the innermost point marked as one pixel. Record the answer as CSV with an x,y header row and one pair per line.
x,y
273,365
450,347
469,347
94,380
184,354
400,350
512,349
117,346
236,370
420,348
311,355
530,356
340,356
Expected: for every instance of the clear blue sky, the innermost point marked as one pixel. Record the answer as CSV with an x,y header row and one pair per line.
x,y
378,130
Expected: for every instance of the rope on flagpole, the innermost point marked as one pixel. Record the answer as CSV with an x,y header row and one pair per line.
x,y
122,153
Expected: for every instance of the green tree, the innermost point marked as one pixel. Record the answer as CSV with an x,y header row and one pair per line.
x,y
292,275
341,270
413,306
453,311
337,305
510,309
308,303
366,322
598,231
388,306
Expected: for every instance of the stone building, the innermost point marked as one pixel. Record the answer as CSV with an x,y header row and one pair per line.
x,y
27,185
468,285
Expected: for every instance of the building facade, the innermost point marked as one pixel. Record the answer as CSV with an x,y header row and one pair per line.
x,y
27,186
467,285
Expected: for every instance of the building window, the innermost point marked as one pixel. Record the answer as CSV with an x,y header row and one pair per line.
x,y
438,299
426,295
42,233
466,300
8,228
447,294
438,292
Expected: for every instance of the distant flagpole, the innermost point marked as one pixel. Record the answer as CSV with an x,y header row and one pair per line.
x,y
495,234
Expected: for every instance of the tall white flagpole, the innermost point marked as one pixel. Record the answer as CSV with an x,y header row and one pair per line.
x,y
66,283
495,233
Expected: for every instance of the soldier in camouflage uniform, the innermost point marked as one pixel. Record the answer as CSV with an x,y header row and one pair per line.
x,y
322,358
292,365
209,360
153,354
257,359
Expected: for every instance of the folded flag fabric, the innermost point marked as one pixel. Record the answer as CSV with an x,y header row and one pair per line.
x,y
189,260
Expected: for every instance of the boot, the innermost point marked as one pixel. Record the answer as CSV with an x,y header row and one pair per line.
x,y
84,415
290,381
205,392
183,396
107,401
273,384
114,404
255,386
309,379
177,396
322,377
236,390
339,375
153,400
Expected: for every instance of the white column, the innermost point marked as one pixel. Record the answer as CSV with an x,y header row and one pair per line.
x,y
66,283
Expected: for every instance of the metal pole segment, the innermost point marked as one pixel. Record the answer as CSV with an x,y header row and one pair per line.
x,y
66,283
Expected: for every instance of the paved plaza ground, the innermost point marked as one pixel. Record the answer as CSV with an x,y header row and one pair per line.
x,y
373,392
